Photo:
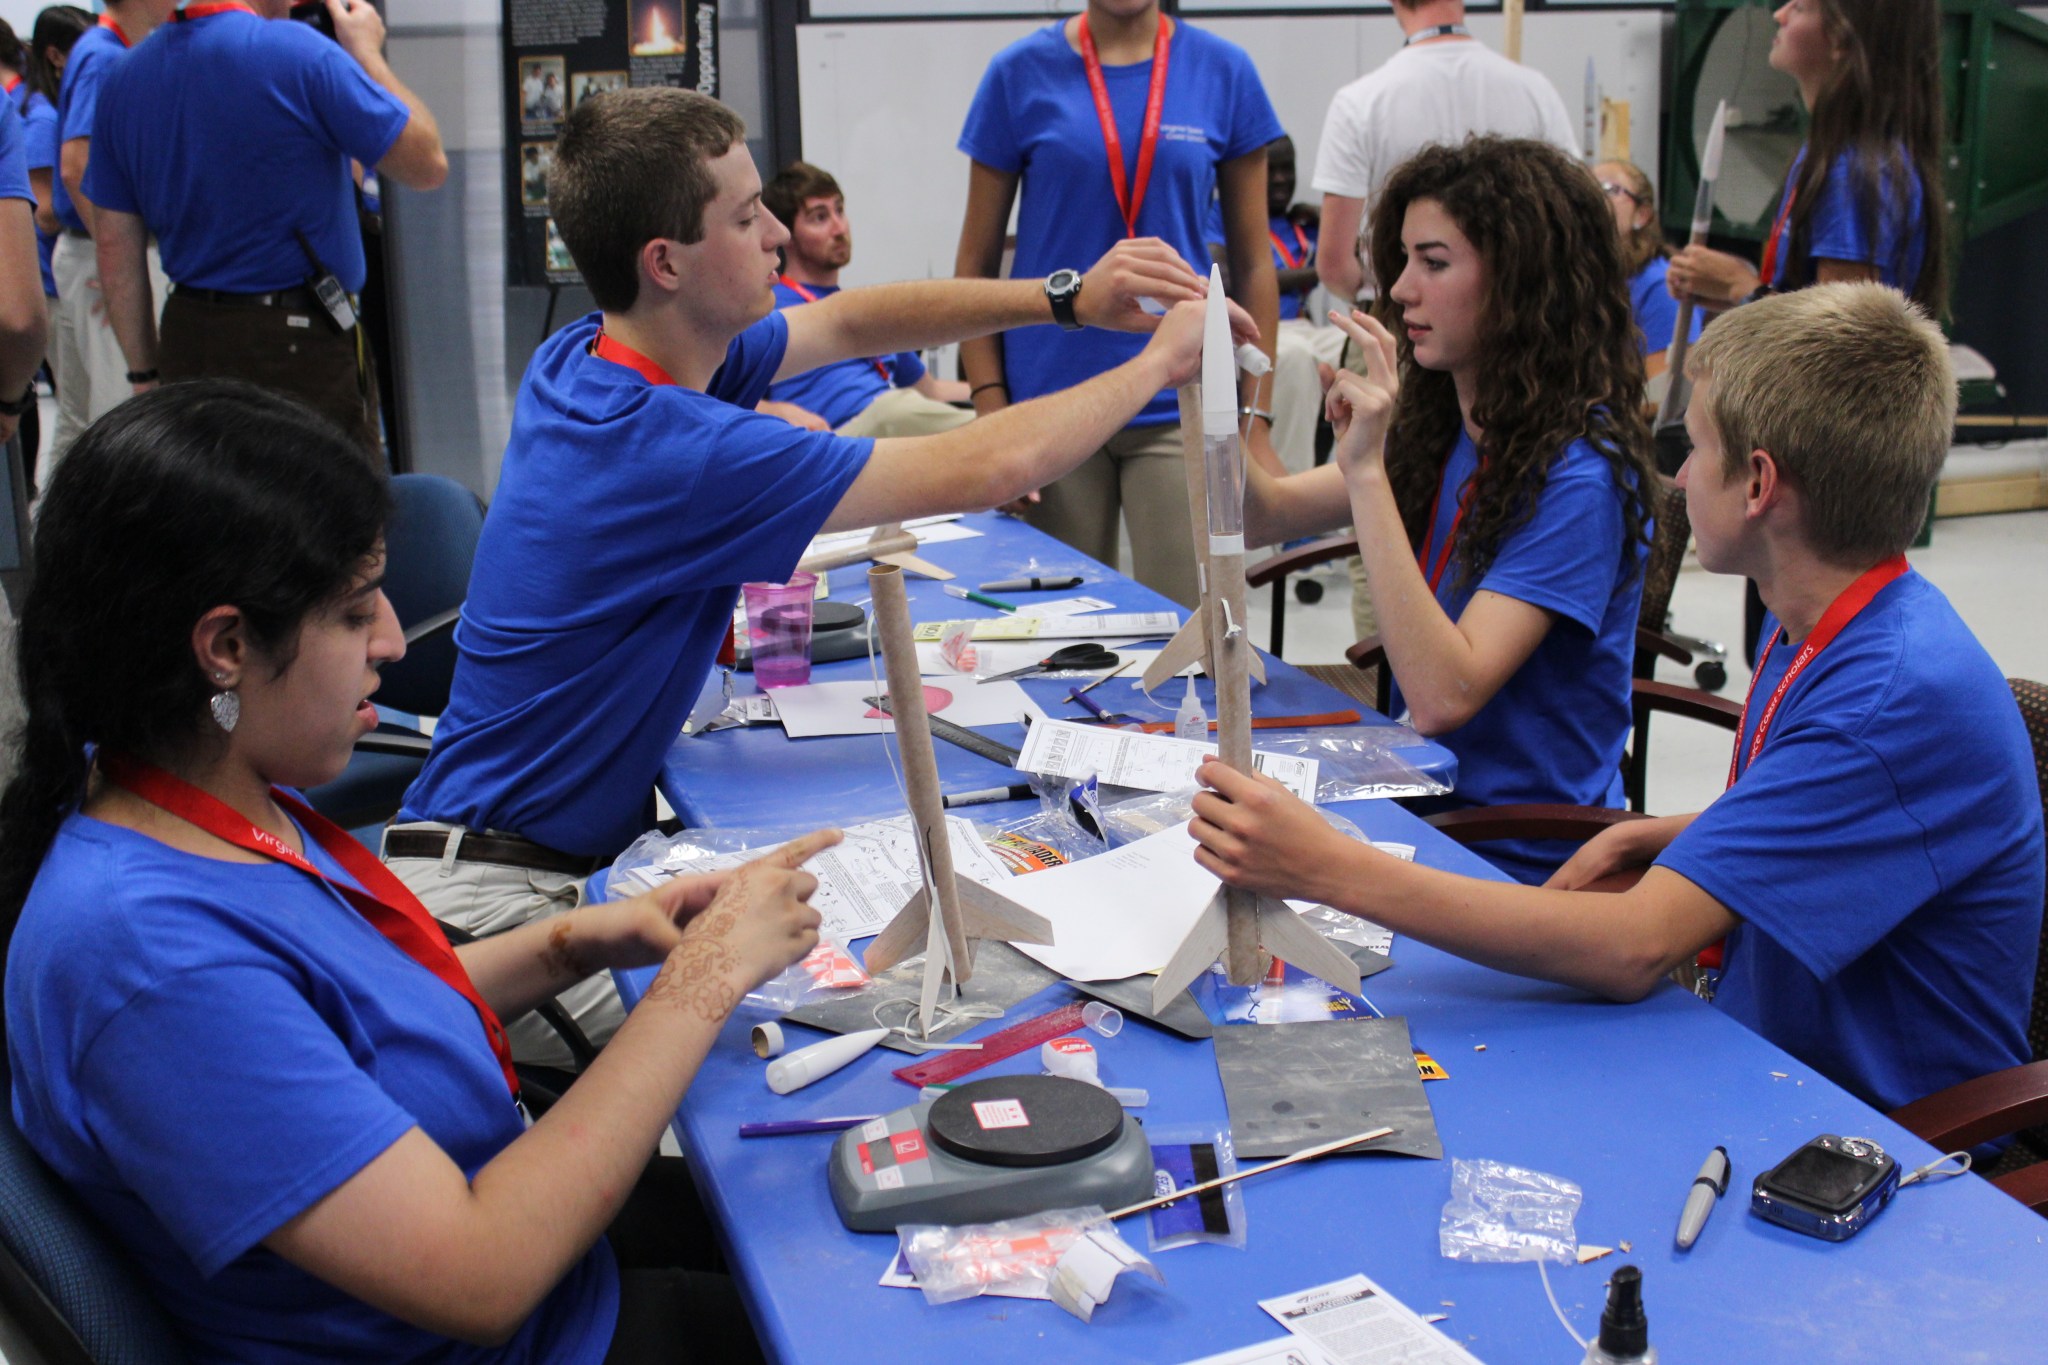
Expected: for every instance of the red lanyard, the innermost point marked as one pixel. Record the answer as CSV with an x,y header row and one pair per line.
x,y
107,21
213,7
1129,198
10,83
1770,265
1443,557
1839,614
1287,257
384,900
808,297
619,353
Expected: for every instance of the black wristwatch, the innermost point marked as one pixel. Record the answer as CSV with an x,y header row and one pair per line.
x,y
1062,287
149,376
22,404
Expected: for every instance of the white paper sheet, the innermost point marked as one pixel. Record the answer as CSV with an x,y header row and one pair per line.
x,y
1153,763
1355,1322
1132,625
928,530
1000,656
1120,913
1065,606
1279,1351
841,708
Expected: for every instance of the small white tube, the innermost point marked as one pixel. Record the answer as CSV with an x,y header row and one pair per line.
x,y
1252,360
820,1060
768,1040
1104,1020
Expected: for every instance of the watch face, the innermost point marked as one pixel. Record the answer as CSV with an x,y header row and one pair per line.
x,y
1063,281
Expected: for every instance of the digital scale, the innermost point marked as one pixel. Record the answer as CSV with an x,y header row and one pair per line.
x,y
989,1150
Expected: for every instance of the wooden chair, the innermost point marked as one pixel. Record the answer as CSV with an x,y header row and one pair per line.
x,y
2013,1101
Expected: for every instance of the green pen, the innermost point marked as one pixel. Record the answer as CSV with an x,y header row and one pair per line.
x,y
970,595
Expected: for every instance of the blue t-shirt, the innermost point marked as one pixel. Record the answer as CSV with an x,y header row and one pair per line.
x,y
13,156
1656,312
1300,241
1555,730
1896,243
39,123
1034,118
841,391
627,516
98,51
229,133
1884,855
203,1050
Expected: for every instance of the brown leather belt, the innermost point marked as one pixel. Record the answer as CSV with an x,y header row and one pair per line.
x,y
501,850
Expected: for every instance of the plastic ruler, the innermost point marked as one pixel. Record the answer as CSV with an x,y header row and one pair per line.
x,y
949,1066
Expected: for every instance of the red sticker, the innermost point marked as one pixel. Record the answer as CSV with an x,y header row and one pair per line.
x,y
936,699
908,1147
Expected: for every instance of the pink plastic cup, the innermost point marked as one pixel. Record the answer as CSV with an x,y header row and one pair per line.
x,y
779,629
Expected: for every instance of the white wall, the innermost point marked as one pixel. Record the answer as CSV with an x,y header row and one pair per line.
x,y
883,103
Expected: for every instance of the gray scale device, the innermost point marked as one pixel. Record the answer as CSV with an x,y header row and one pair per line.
x,y
989,1150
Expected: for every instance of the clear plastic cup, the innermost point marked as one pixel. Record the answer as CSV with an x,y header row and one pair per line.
x,y
1104,1020
779,629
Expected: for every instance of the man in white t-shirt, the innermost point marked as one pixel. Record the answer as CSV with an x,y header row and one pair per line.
x,y
1442,86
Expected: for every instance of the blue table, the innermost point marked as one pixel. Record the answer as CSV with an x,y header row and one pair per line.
x,y
743,778
1625,1100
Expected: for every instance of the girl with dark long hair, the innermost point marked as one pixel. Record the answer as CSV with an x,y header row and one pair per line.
x,y
235,1036
1863,197
1496,464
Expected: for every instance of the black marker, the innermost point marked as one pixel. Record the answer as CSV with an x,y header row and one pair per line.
x,y
987,796
1031,584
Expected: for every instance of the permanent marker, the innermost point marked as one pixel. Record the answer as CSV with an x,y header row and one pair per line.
x,y
1709,1185
1032,584
970,595
986,796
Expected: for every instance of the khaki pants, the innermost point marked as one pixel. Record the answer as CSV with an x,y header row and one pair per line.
x,y
905,412
1138,477
296,352
486,899
85,356
1297,393
1364,620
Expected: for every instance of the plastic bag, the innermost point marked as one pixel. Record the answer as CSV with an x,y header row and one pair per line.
x,y
1184,1156
1500,1213
1067,1255
1356,762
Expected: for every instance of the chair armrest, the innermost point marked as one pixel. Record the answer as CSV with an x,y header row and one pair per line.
x,y
1301,557
1370,652
1981,1109
440,623
2029,1185
395,742
1656,642
1687,701
1483,824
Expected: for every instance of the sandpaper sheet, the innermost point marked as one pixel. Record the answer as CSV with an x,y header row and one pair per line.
x,y
1291,1086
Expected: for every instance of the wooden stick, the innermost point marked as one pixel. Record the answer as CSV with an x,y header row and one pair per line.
x,y
1511,16
898,542
1305,1154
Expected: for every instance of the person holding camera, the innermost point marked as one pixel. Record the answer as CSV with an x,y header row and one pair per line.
x,y
229,138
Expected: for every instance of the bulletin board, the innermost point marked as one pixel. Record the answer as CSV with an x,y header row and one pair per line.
x,y
558,53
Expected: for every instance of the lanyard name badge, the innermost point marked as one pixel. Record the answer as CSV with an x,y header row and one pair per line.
x,y
1423,35
808,297
1443,557
1130,197
383,900
1287,257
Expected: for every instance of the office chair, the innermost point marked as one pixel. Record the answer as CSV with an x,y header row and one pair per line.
x,y
430,546
71,1290
2013,1101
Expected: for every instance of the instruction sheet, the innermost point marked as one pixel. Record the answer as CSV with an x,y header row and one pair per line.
x,y
841,708
1153,763
1355,1322
928,531
1134,625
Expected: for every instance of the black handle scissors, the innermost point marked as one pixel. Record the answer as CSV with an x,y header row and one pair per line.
x,y
1088,656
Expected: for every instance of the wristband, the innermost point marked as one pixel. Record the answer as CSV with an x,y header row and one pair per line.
x,y
992,384
20,406
148,376
1257,412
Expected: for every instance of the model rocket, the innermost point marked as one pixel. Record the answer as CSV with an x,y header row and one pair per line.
x,y
1673,407
890,544
1238,924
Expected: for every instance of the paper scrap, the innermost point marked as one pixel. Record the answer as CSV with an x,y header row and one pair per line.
x,y
1588,1252
1065,606
1083,1277
1355,1322
841,708
1140,625
928,531
1279,1351
1153,763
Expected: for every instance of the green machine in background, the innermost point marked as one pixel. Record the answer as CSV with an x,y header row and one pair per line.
x,y
1995,78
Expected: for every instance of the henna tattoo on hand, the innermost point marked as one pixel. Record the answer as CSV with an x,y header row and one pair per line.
x,y
560,956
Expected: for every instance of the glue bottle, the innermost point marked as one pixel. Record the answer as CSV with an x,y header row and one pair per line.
x,y
1191,721
1624,1331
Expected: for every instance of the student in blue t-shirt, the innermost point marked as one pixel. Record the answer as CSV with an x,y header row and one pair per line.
x,y
232,1034
890,395
228,137
23,322
1499,478
1034,131
1876,864
640,489
1645,258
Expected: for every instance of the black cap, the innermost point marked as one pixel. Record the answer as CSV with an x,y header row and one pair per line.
x,y
1624,1331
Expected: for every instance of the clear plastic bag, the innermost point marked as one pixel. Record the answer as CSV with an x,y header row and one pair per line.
x,y
1355,762
1499,1213
1188,1155
1067,1255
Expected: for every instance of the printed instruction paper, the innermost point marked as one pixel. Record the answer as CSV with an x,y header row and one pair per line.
x,y
1134,625
1355,1322
1153,763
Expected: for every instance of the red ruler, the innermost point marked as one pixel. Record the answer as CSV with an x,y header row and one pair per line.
x,y
948,1066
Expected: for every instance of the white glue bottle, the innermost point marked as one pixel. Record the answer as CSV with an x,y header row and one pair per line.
x,y
1191,721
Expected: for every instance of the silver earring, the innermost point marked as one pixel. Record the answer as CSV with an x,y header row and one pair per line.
x,y
227,710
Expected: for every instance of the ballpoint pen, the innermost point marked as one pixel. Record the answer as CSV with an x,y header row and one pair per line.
x,y
1708,1186
970,595
1031,584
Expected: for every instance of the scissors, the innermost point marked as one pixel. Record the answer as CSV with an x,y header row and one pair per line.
x,y
1088,656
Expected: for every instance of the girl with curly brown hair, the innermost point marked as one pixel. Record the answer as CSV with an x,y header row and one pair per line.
x,y
1495,461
